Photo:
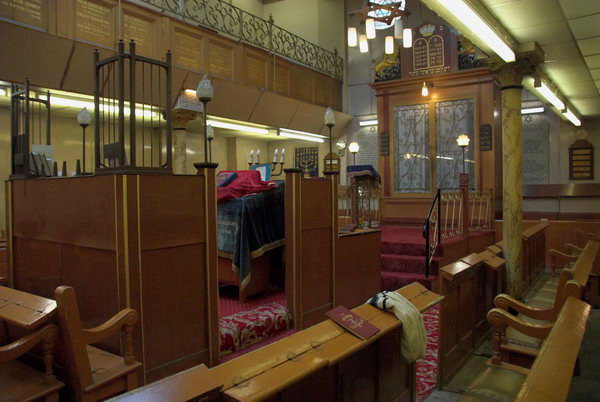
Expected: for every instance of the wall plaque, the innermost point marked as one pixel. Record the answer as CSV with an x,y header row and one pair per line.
x,y
307,159
187,49
581,160
384,144
434,51
94,23
485,137
536,133
29,12
368,153
220,59
141,31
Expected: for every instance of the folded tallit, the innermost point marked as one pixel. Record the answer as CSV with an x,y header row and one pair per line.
x,y
414,337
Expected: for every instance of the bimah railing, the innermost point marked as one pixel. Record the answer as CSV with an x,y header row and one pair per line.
x,y
223,17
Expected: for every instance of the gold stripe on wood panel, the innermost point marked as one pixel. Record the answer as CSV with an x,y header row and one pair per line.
x,y
126,243
9,234
139,241
117,241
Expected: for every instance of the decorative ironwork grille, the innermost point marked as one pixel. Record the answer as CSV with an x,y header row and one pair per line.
x,y
412,149
241,25
453,118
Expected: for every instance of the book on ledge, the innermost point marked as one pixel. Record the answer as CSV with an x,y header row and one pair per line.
x,y
353,323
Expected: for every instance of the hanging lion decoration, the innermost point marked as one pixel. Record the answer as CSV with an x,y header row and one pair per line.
x,y
388,67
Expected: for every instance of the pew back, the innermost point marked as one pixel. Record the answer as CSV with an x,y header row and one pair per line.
x,y
550,375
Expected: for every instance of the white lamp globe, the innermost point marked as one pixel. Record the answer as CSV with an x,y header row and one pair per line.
x,y
210,132
84,118
204,91
463,140
353,147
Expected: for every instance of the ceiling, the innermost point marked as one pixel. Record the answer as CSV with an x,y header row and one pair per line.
x,y
569,33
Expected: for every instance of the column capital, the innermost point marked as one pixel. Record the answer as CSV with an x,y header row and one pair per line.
x,y
182,117
510,75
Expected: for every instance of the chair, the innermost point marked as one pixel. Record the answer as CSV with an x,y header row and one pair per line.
x,y
20,382
91,373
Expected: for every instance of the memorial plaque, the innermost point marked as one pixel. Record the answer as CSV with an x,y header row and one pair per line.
x,y
535,151
141,31
384,144
256,70
485,138
368,153
581,160
220,60
434,51
94,23
187,50
29,12
282,80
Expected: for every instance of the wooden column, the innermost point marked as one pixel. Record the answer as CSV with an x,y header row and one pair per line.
x,y
463,181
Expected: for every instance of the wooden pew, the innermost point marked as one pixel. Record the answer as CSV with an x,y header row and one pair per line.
x,y
93,374
550,376
463,323
323,362
517,339
29,314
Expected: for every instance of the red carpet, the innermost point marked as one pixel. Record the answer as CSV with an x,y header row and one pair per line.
x,y
229,304
427,368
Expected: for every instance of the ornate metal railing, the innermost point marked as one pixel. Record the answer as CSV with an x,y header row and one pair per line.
x,y
241,25
432,230
480,210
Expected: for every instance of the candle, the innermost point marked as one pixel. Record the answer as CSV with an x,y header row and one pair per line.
x,y
251,159
275,156
282,159
258,156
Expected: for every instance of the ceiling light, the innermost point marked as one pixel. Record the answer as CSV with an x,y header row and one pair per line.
x,y
363,43
288,130
473,21
370,28
424,89
352,37
366,123
2,92
550,96
532,110
300,135
572,118
407,38
389,45
237,127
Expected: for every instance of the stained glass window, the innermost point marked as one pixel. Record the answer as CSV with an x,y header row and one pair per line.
x,y
453,118
411,147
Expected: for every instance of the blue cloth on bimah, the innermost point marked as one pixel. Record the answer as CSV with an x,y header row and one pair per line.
x,y
363,170
249,226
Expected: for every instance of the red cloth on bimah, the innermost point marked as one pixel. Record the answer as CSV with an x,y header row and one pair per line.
x,y
247,182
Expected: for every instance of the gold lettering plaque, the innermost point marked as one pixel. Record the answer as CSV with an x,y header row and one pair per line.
x,y
220,60
141,31
187,51
94,23
256,71
28,12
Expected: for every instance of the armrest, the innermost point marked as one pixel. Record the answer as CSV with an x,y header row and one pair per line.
x,y
571,248
103,331
125,320
504,302
556,253
23,345
499,318
2,281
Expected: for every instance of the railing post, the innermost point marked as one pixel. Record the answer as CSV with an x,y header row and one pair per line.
x,y
464,189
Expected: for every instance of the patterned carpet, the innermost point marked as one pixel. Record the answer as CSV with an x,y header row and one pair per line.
x,y
427,368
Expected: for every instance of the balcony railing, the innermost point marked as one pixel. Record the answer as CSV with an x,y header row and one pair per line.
x,y
241,25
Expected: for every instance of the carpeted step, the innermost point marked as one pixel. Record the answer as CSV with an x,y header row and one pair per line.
x,y
395,247
407,264
396,280
245,328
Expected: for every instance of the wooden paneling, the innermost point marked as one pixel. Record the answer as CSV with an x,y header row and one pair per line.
x,y
221,59
144,28
34,13
96,22
188,47
36,266
357,268
255,69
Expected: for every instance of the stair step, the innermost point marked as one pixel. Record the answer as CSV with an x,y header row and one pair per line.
x,y
395,247
396,280
407,264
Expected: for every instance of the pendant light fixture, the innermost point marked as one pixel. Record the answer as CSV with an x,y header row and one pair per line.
x,y
352,37
363,43
370,28
389,45
407,38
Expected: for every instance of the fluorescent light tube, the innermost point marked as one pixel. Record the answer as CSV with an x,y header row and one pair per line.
x,y
238,127
366,123
288,130
2,92
300,137
572,118
532,110
550,96
475,23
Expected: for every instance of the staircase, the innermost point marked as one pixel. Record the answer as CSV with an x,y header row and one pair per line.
x,y
403,258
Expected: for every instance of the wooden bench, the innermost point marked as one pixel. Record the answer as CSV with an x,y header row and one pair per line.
x,y
568,258
517,339
550,376
30,314
91,373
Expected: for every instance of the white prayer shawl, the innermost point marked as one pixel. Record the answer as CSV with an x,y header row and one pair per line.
x,y
414,337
